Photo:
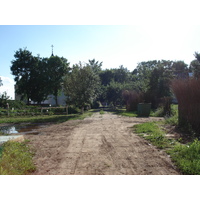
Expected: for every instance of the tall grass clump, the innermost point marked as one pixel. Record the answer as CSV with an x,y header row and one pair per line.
x,y
187,92
132,98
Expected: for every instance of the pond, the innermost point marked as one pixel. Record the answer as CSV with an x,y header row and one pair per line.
x,y
28,129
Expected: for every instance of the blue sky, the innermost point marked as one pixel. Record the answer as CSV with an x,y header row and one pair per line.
x,y
113,45
141,31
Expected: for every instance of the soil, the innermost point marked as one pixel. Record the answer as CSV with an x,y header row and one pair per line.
x,y
98,145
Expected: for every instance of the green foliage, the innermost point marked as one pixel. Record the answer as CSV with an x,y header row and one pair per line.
x,y
102,112
57,69
4,100
16,159
125,113
1,82
195,66
37,77
81,86
96,104
187,157
173,119
1,150
16,104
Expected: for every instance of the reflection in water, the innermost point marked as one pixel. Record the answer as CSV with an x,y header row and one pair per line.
x,y
21,129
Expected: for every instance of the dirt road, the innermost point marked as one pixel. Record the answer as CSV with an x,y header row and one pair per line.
x,y
101,144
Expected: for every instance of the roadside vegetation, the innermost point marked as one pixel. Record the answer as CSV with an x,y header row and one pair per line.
x,y
86,85
183,150
45,118
16,159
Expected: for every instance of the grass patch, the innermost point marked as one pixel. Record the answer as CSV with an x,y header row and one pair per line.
x,y
187,157
125,113
173,120
152,132
45,118
1,150
101,112
16,159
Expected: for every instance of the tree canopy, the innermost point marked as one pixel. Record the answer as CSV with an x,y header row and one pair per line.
x,y
81,85
38,77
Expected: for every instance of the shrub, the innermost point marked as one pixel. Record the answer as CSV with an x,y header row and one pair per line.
x,y
187,92
187,157
132,98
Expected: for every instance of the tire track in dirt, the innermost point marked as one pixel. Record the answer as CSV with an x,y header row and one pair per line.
x,y
101,144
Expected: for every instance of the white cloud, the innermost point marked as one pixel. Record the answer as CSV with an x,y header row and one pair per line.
x,y
8,86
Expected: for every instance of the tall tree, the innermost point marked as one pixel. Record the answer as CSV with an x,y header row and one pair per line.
x,y
80,85
180,69
114,93
95,65
1,82
195,66
22,68
57,69
40,81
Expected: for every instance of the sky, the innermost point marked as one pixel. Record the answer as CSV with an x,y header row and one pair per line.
x,y
156,31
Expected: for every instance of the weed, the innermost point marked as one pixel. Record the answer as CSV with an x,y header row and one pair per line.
x,y
16,159
153,133
102,112
187,157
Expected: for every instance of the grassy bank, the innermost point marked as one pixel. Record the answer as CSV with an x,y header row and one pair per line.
x,y
16,159
185,156
45,118
152,132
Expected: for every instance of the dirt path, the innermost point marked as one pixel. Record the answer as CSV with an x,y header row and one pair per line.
x,y
101,144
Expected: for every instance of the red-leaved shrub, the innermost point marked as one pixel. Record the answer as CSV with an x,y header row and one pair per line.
x,y
187,92
132,98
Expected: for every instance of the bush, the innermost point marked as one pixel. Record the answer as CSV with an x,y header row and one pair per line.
x,y
187,157
96,105
187,92
132,98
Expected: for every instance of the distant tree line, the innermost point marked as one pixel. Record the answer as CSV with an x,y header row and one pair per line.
x,y
86,84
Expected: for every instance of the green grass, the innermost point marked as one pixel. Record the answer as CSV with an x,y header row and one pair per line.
x,y
101,112
187,157
152,132
125,113
45,118
173,120
16,159
1,150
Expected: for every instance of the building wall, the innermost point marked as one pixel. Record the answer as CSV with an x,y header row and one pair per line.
x,y
50,99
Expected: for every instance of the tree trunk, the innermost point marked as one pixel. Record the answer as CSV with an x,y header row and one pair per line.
x,y
67,109
82,109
